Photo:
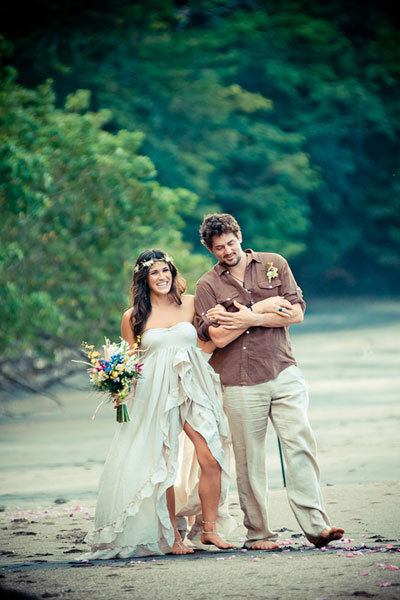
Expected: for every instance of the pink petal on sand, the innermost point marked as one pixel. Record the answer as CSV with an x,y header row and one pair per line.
x,y
349,554
379,565
392,568
389,546
256,559
363,574
323,549
243,550
220,558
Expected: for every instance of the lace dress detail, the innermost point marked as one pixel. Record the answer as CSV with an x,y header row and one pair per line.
x,y
151,452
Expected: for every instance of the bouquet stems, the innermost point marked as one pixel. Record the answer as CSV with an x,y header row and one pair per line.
x,y
122,413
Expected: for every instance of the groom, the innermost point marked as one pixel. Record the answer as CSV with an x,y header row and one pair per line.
x,y
245,304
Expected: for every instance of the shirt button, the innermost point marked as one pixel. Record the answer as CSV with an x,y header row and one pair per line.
x,y
244,347
203,313
270,287
228,299
247,331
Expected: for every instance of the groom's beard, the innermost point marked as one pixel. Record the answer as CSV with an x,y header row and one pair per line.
x,y
235,260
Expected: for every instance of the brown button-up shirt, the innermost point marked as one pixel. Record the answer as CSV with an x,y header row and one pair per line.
x,y
260,353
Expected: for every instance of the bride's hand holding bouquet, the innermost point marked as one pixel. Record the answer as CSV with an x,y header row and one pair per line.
x,y
116,372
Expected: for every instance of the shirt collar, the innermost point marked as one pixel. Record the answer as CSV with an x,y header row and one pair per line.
x,y
220,269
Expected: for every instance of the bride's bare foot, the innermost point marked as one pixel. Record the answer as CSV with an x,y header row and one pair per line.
x,y
180,548
265,545
329,534
212,538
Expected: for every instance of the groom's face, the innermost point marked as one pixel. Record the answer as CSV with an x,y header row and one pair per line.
x,y
227,249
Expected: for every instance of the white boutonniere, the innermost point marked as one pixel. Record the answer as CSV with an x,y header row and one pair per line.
x,y
272,271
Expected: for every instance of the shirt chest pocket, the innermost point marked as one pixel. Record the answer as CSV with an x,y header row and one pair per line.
x,y
227,301
269,288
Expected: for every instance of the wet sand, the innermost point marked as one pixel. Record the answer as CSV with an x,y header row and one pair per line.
x,y
40,554
349,355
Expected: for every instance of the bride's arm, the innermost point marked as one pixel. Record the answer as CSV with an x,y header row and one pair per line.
x,y
207,347
126,329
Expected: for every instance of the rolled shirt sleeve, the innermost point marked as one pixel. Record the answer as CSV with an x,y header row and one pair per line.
x,y
289,288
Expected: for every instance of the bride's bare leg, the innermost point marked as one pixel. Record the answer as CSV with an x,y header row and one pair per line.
x,y
209,488
178,547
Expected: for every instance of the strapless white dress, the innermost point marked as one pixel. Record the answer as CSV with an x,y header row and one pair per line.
x,y
151,452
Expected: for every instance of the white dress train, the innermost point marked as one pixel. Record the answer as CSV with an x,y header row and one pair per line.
x,y
150,453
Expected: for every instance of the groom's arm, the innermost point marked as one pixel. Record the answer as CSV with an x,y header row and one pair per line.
x,y
233,324
228,326
209,328
204,300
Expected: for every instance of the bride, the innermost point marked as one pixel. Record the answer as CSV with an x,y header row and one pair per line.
x,y
152,473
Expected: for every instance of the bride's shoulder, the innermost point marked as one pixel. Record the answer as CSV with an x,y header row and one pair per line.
x,y
126,317
187,300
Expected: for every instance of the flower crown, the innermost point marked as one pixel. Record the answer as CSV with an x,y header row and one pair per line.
x,y
151,261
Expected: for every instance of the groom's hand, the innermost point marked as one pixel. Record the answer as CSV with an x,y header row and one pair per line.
x,y
241,319
213,313
274,304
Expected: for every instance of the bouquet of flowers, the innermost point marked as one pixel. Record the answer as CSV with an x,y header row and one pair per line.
x,y
115,372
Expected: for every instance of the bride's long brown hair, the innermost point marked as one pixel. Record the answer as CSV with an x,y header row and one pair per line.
x,y
140,288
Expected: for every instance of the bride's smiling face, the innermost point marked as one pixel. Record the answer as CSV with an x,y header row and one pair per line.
x,y
159,278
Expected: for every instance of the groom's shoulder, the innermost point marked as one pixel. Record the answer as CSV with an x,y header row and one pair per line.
x,y
209,278
273,257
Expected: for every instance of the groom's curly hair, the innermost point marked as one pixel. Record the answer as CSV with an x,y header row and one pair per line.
x,y
215,225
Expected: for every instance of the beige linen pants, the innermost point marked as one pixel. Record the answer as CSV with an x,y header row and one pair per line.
x,y
285,401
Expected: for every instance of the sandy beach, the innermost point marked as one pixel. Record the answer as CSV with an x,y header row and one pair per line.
x,y
50,452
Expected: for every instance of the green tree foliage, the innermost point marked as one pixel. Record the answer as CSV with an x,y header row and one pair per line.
x,y
283,113
78,204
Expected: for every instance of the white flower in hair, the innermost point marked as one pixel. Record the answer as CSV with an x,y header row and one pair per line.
x,y
151,261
